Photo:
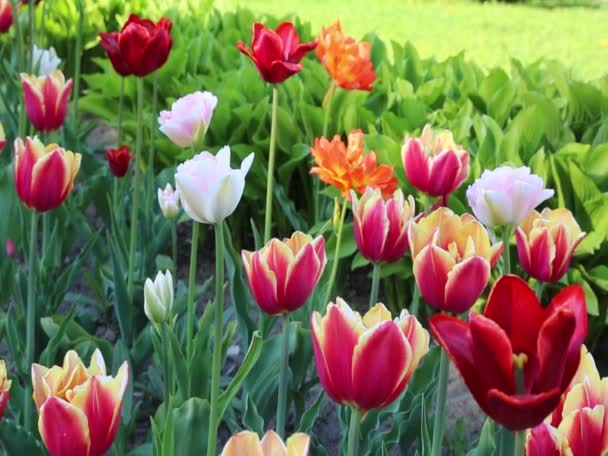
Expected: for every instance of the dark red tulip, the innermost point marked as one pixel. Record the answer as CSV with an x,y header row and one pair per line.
x,y
118,160
276,53
518,357
6,15
140,48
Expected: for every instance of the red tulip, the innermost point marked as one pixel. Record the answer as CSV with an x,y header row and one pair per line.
x,y
276,53
6,15
283,273
118,160
140,48
46,99
545,440
518,357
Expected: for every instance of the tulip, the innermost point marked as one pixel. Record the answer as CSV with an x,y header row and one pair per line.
x,y
118,160
283,273
46,99
380,226
366,362
5,386
347,62
2,138
140,48
9,247
209,190
158,297
45,61
276,53
168,200
517,358
434,163
189,118
44,176
79,407
545,440
506,195
449,250
6,15
247,443
347,168
546,242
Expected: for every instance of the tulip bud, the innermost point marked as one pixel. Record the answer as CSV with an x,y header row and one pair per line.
x,y
6,15
168,200
45,61
5,386
2,138
247,443
10,248
158,297
118,160
187,122
46,99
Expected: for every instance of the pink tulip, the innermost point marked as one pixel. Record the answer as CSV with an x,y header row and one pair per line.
x,y
381,226
2,138
46,99
189,118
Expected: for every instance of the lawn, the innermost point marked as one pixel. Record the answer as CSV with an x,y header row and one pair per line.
x,y
491,34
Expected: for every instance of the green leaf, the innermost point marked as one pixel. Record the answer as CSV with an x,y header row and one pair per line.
x,y
192,416
487,443
307,421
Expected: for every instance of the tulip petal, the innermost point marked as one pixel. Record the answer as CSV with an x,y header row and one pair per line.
x,y
50,179
544,440
374,229
542,254
445,167
263,284
475,272
272,445
520,412
245,443
416,164
431,268
586,431
302,278
298,444
64,428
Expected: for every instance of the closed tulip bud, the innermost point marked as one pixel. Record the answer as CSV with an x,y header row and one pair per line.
x,y
380,226
46,99
366,362
209,190
79,407
118,160
247,443
6,15
449,250
45,61
5,386
282,274
506,195
44,176
187,122
168,200
434,163
158,297
546,242
2,138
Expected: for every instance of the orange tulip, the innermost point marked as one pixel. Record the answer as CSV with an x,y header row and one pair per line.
x,y
247,443
346,61
5,386
79,407
346,167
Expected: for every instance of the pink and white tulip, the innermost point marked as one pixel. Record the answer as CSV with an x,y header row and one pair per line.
x,y
189,118
46,100
168,200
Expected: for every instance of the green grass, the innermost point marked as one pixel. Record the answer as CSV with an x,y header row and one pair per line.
x,y
489,33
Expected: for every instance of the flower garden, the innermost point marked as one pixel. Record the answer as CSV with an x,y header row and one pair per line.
x,y
226,234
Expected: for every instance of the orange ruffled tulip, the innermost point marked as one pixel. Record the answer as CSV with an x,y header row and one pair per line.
x,y
44,176
366,362
5,386
282,274
79,407
448,251
346,61
46,99
546,242
247,443
346,167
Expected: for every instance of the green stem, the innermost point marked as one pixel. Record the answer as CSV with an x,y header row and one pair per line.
x,y
45,232
32,20
271,160
174,247
115,195
18,39
30,330
136,189
506,256
283,380
415,307
440,407
217,340
121,102
353,432
78,58
519,443
191,288
336,260
373,298
166,370
539,287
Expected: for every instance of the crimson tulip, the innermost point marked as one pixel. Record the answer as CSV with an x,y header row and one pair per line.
x,y
140,48
118,160
517,358
276,53
6,15
46,99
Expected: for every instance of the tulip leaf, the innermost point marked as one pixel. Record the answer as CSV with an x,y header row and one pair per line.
x,y
178,363
251,418
309,417
191,425
487,442
16,440
122,304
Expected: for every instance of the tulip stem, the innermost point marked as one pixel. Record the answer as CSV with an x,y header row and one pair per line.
x,y
271,160
440,406
166,370
336,259
414,308
518,449
373,298
174,246
135,207
191,288
77,59
353,432
283,380
32,20
215,419
30,320
539,287
506,256
121,102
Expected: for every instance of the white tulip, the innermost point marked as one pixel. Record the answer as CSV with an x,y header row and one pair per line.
x,y
158,297
45,61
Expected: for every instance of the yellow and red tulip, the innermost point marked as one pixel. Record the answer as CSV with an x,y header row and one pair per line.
x,y
282,274
546,242
46,99
353,352
247,443
380,226
44,176
2,138
449,250
5,386
545,440
79,407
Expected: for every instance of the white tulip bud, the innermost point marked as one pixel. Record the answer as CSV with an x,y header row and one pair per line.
x,y
158,297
